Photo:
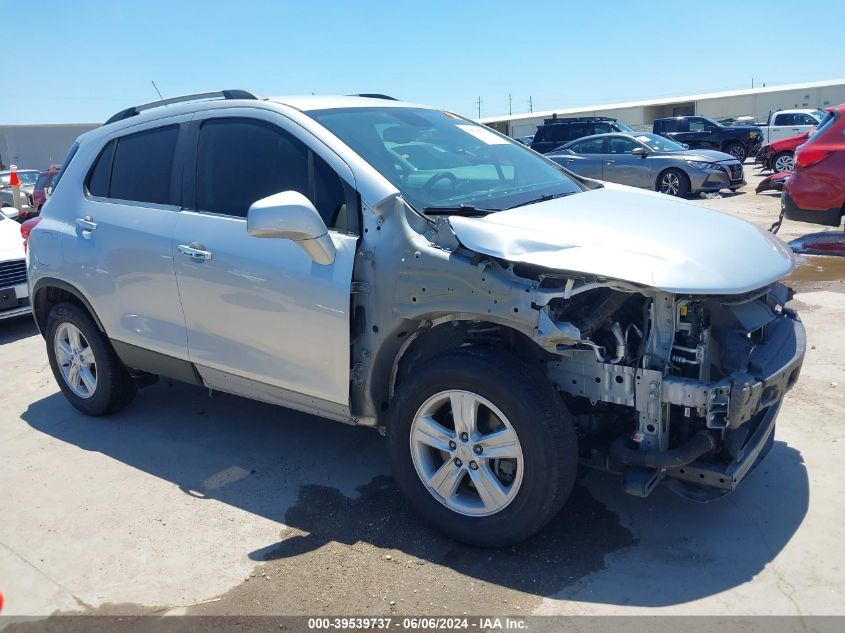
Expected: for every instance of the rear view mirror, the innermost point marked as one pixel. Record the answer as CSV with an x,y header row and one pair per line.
x,y
640,151
290,215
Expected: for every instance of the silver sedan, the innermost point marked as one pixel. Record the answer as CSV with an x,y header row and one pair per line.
x,y
650,161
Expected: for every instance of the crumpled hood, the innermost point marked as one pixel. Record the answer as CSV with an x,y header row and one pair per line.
x,y
637,236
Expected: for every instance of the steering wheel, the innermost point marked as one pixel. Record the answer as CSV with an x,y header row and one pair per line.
x,y
443,175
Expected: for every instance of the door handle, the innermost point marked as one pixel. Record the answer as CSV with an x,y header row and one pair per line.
x,y
796,129
86,223
609,162
194,251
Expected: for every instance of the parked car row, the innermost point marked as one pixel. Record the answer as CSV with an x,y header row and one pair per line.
x,y
651,162
35,187
695,154
683,155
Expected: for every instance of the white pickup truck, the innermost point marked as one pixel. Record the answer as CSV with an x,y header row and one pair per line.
x,y
786,123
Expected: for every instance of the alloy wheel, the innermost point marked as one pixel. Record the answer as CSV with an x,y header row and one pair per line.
x,y
466,453
785,163
76,360
738,152
670,184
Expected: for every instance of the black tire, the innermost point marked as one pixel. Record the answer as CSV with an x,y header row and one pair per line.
x,y
784,158
114,386
737,150
680,185
537,414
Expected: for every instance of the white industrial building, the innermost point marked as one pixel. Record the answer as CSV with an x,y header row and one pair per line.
x,y
755,102
38,146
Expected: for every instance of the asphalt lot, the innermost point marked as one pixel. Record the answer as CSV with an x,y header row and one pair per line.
x,y
188,504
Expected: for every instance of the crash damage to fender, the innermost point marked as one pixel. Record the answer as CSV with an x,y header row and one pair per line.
x,y
661,324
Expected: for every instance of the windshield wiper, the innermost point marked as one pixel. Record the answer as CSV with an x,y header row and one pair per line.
x,y
462,209
548,196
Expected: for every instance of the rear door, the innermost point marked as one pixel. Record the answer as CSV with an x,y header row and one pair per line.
x,y
263,319
791,125
621,166
120,250
586,158
701,134
783,124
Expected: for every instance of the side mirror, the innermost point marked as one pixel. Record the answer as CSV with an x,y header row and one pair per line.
x,y
290,215
685,145
642,152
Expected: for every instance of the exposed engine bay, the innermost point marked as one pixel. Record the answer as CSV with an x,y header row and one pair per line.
x,y
662,386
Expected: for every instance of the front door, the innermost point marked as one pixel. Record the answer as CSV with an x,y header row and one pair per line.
x,y
259,311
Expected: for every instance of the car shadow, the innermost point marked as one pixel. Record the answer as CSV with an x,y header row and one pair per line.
x,y
330,482
17,328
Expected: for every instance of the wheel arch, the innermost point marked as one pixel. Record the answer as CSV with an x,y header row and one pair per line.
x,y
450,332
675,169
48,291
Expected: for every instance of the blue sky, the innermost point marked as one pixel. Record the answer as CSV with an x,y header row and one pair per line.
x,y
92,58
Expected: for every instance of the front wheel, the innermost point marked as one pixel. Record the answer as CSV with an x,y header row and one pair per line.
x,y
737,150
783,162
482,446
673,182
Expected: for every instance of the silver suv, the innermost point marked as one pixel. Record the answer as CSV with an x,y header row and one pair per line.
x,y
499,318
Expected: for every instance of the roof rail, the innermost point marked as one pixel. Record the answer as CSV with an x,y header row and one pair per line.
x,y
217,94
374,95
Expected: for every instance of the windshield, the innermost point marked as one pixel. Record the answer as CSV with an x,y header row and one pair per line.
x,y
659,143
437,159
27,178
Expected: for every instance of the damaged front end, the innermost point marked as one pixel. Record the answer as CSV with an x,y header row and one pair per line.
x,y
673,357
673,388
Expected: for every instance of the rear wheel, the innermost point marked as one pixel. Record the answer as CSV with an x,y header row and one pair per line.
x,y
673,182
482,446
84,364
783,162
737,150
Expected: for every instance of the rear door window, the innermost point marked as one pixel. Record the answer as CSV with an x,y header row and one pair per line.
x,y
98,179
143,166
591,146
804,119
696,125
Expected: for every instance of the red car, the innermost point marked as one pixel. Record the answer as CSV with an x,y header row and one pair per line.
x,y
816,191
46,179
778,155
